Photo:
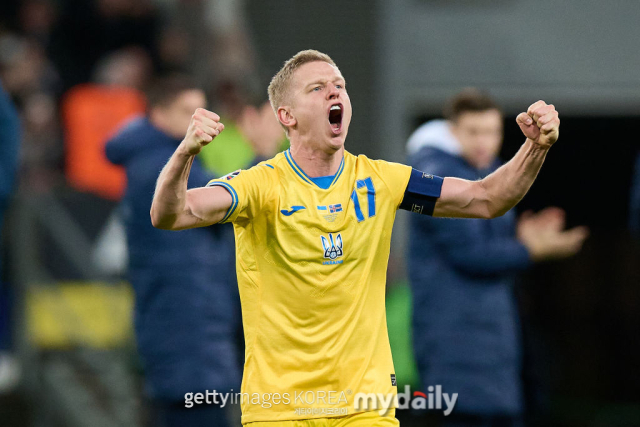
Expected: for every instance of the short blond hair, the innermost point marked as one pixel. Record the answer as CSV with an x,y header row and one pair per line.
x,y
279,85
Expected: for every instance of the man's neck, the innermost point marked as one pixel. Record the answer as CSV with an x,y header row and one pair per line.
x,y
315,162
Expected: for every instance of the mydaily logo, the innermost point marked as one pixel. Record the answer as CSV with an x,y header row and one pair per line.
x,y
433,399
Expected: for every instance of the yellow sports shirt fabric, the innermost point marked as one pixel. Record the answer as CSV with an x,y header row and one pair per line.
x,y
364,419
311,266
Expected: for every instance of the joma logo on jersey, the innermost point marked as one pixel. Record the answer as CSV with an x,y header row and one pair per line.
x,y
332,248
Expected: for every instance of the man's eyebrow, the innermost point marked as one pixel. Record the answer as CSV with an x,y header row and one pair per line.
x,y
317,82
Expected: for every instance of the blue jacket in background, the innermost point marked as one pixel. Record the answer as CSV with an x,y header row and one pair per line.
x,y
465,321
9,149
187,309
634,213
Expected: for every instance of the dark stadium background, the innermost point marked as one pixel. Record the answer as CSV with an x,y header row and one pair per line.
x,y
402,59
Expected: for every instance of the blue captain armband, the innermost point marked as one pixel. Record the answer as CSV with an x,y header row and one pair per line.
x,y
422,192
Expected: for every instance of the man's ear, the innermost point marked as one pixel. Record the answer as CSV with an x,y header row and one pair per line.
x,y
286,118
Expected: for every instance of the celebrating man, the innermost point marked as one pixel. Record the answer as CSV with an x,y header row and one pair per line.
x,y
313,229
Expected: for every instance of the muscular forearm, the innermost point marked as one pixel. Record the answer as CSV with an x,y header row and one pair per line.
x,y
507,186
170,198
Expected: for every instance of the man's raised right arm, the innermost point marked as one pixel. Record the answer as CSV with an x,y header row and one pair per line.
x,y
176,208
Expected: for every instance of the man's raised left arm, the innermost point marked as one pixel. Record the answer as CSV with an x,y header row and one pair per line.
x,y
494,195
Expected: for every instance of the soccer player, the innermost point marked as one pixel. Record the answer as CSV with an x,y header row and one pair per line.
x,y
313,229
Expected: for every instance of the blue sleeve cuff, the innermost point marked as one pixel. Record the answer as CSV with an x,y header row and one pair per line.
x,y
234,198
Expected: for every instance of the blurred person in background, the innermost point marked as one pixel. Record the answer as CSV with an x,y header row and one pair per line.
x,y
34,84
41,164
465,321
187,310
9,148
129,67
93,111
25,68
249,131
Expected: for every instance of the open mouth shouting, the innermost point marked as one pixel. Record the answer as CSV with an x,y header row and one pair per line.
x,y
335,118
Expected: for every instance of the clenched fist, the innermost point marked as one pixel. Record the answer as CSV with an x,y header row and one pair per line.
x,y
205,125
540,124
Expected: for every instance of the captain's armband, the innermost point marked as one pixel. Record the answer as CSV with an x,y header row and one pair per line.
x,y
422,193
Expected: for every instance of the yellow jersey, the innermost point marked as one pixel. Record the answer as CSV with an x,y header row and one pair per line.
x,y
311,266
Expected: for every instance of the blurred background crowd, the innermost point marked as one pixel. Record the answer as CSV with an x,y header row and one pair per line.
x,y
79,73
